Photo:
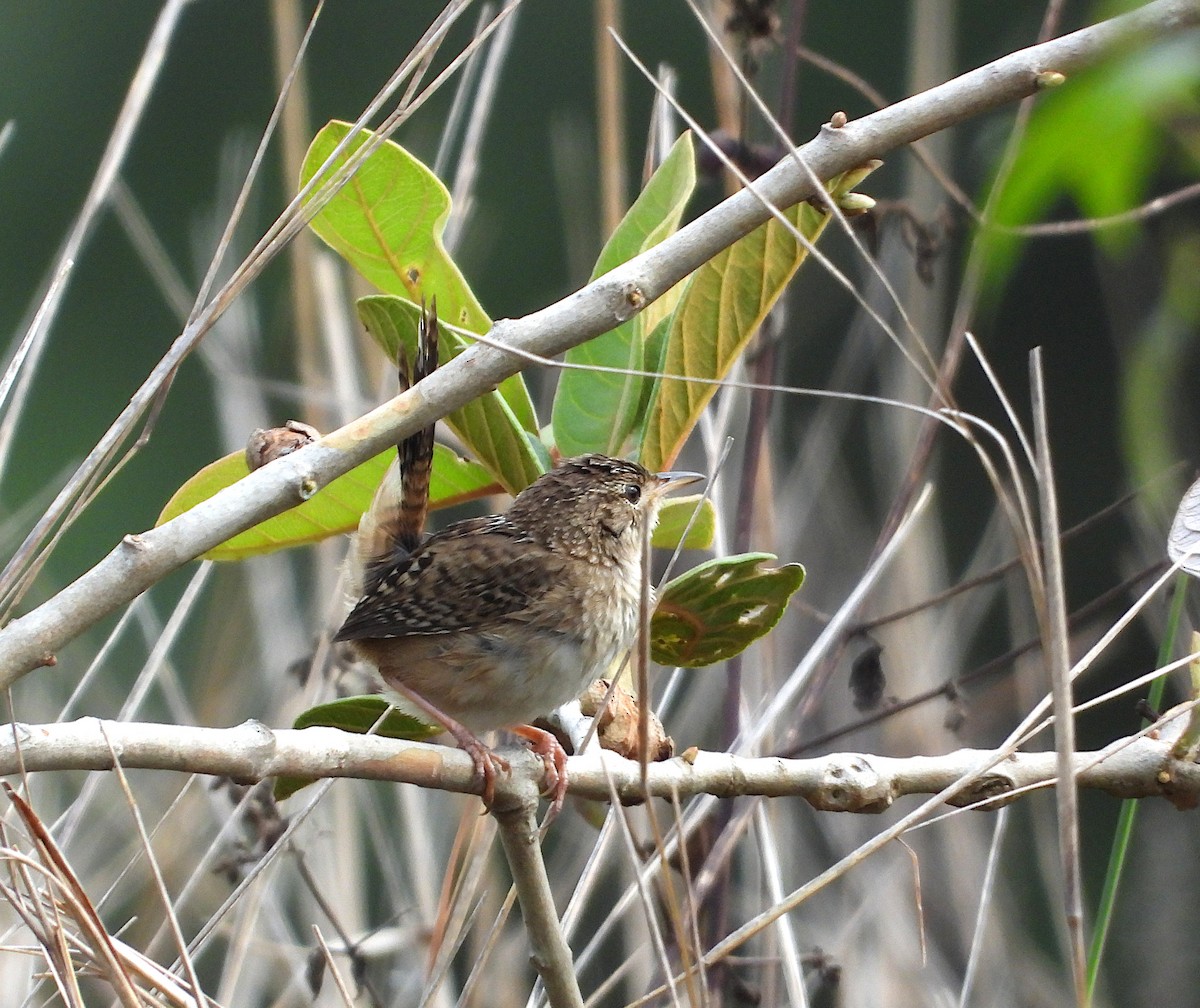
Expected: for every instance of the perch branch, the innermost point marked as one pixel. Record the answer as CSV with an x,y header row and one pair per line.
x,y
841,782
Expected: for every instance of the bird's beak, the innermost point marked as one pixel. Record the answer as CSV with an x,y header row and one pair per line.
x,y
668,482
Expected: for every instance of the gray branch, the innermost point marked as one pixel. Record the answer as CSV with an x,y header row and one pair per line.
x,y
518,827
140,561
842,782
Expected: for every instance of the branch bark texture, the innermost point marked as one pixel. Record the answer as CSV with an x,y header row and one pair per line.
x,y
841,782
139,561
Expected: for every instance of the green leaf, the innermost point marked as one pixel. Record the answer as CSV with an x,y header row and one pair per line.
x,y
357,714
487,425
387,222
717,609
1097,140
674,517
597,410
334,510
723,306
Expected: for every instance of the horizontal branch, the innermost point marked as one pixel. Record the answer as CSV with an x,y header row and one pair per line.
x,y
139,561
841,782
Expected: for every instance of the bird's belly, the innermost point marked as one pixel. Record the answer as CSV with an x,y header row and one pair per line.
x,y
482,680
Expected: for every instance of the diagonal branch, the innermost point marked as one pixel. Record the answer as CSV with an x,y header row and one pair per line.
x,y
140,561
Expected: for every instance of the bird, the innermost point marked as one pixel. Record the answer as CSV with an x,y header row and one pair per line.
x,y
493,621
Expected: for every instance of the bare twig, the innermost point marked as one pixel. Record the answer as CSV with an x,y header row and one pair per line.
x,y
24,362
610,117
953,687
77,904
338,980
160,883
95,469
999,831
1058,665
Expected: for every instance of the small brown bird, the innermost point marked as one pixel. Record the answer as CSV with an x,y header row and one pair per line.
x,y
494,621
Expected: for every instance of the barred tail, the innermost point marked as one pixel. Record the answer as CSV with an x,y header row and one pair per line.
x,y
395,523
415,452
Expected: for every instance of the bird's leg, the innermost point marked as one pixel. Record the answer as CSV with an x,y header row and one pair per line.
x,y
487,763
554,759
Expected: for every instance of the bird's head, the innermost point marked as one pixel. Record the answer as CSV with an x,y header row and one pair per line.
x,y
595,505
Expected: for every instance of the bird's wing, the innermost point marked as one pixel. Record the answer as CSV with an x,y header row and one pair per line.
x,y
469,575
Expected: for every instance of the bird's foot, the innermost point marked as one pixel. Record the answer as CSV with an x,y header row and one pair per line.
x,y
554,759
488,765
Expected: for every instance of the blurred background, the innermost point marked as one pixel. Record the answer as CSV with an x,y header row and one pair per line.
x,y
1115,312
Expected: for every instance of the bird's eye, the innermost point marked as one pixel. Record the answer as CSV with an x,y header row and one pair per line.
x,y
633,492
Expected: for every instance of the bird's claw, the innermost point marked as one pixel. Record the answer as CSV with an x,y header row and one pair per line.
x,y
554,759
488,765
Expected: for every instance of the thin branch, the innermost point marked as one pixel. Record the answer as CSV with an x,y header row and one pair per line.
x,y
141,88
303,207
994,574
1065,228
952,688
988,890
140,561
330,965
1058,664
172,920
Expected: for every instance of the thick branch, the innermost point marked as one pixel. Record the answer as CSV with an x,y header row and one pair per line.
x,y
140,561
841,782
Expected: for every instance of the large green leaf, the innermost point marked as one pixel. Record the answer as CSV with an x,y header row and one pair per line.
x,y
357,714
717,609
723,306
486,425
1115,119
334,510
597,410
387,222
